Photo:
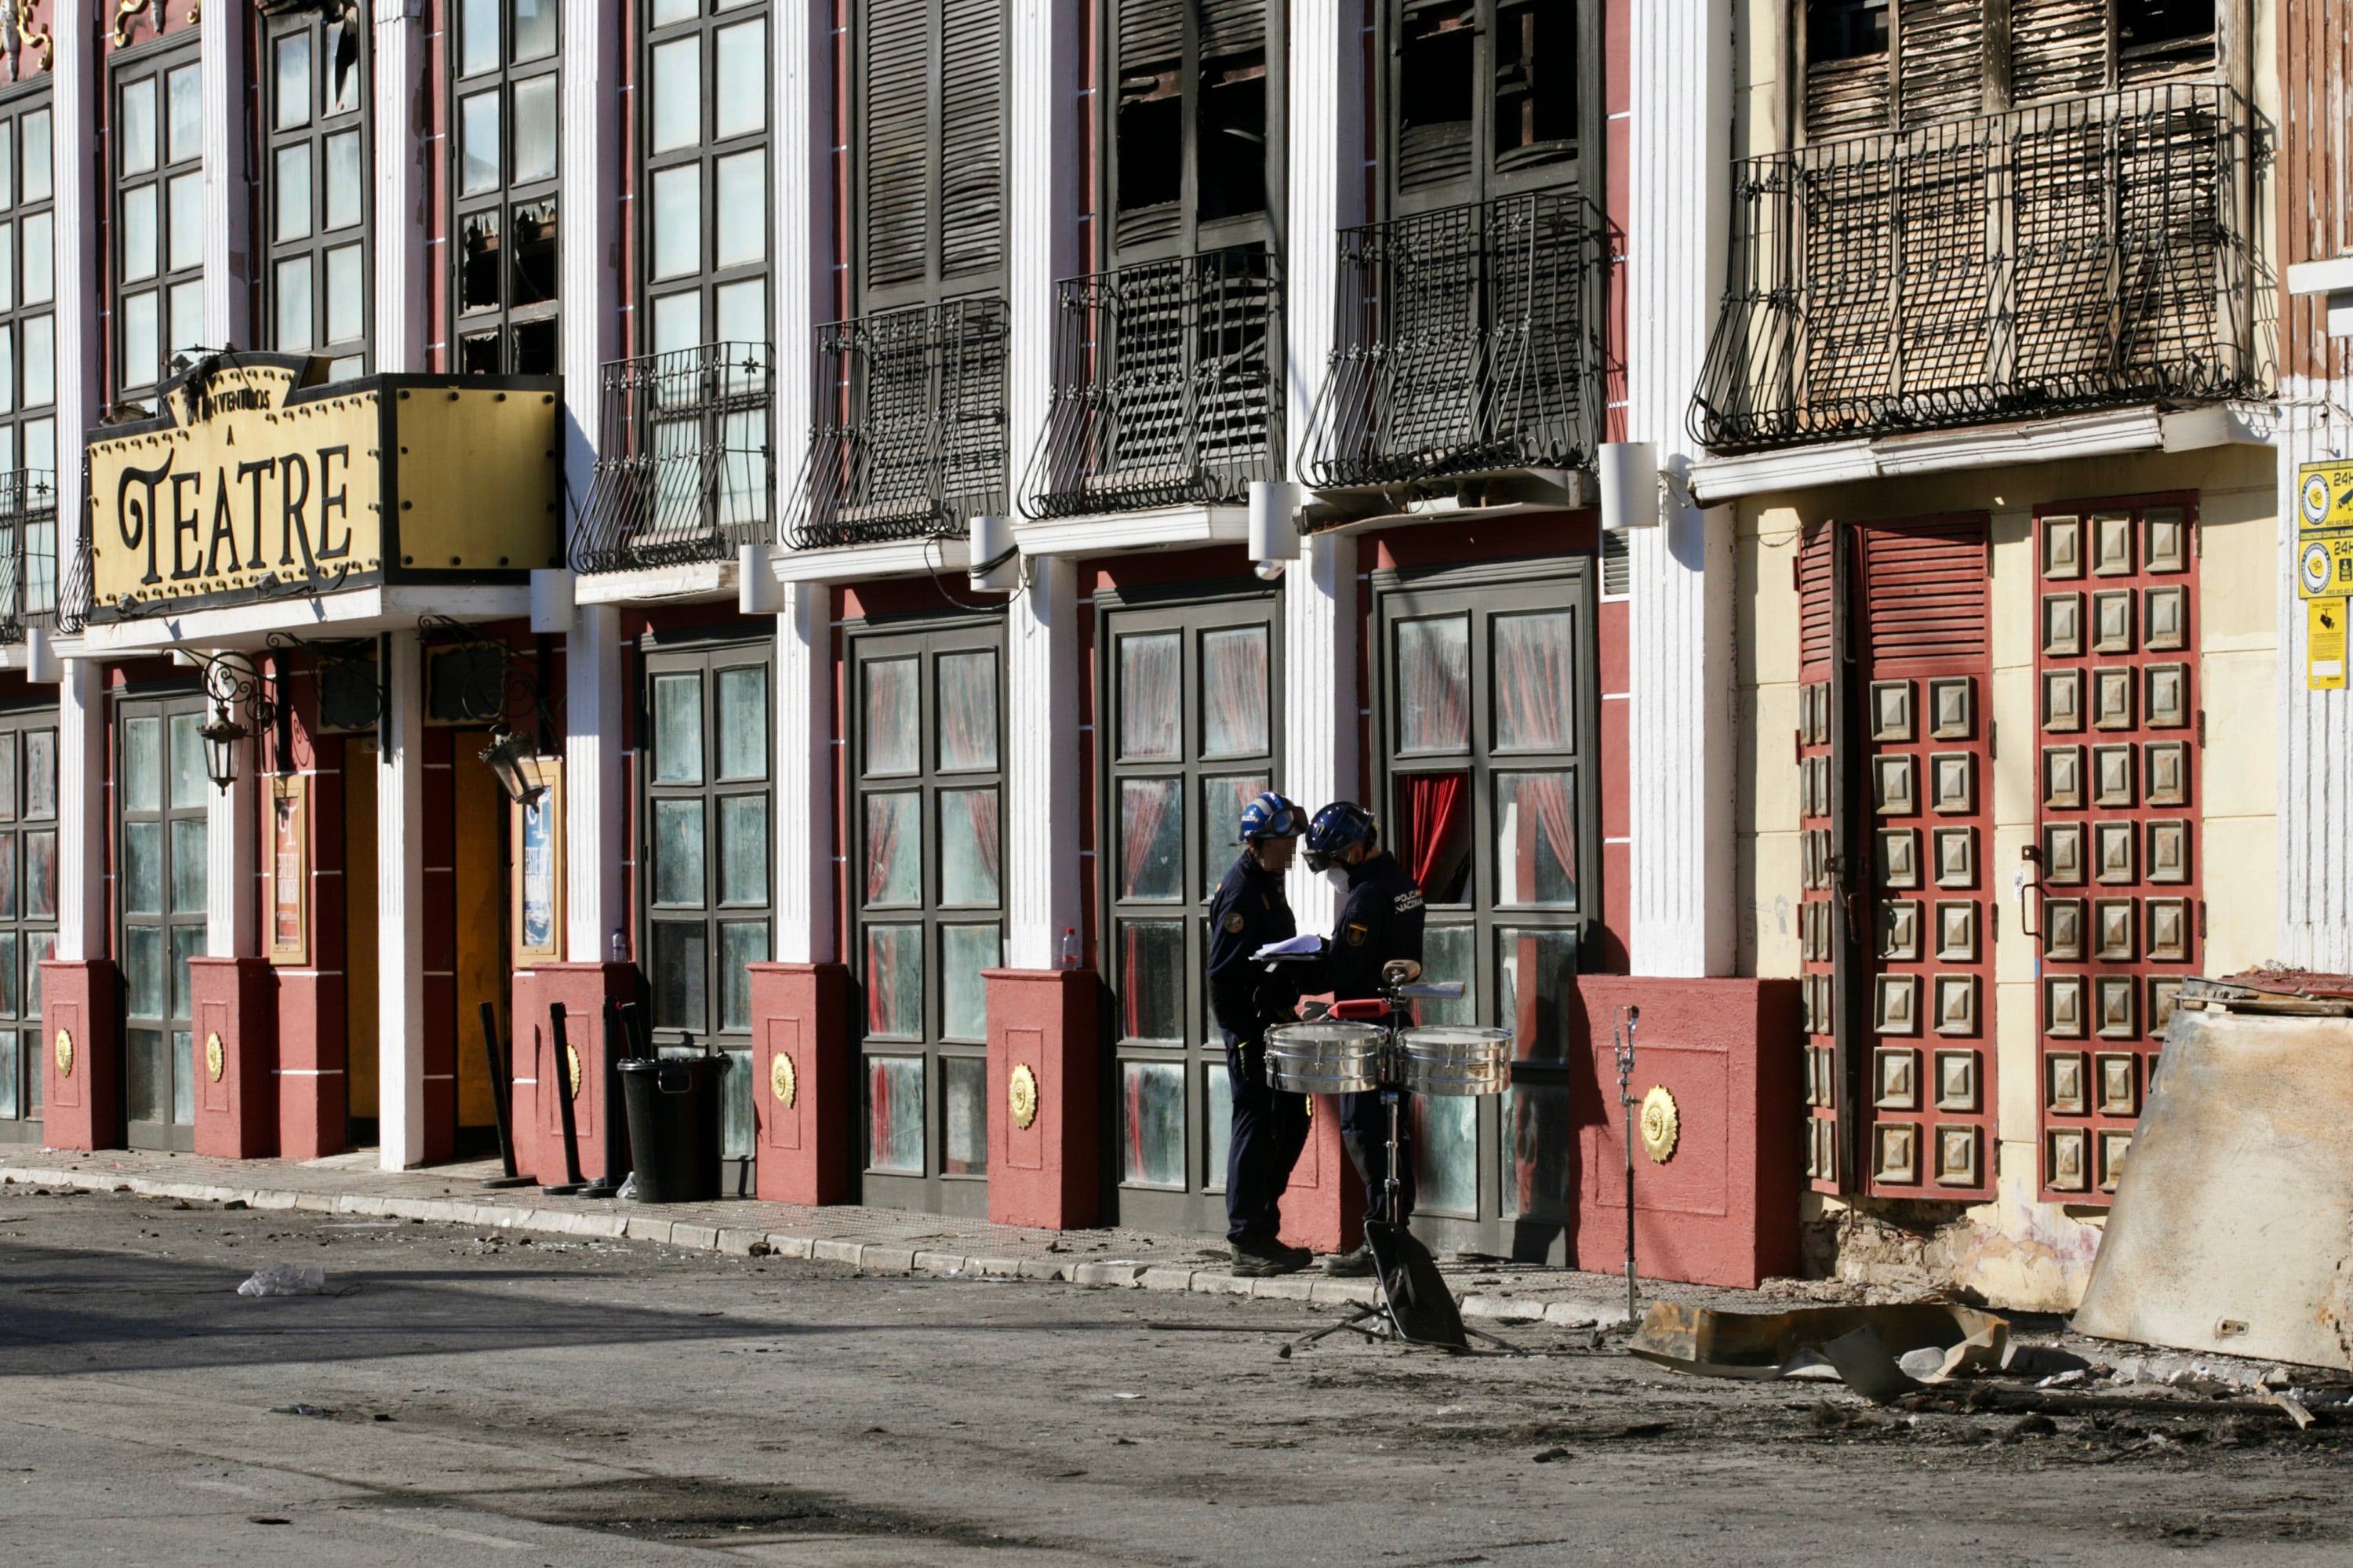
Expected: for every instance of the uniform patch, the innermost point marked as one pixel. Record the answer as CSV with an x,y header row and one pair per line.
x,y
1409,899
1234,923
1356,934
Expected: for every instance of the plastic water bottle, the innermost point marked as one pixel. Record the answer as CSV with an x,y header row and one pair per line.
x,y
1067,958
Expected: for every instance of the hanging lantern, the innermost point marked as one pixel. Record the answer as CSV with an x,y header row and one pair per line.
x,y
220,738
505,755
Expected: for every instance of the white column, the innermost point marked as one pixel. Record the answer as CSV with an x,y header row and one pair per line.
x,y
83,924
400,913
2316,729
402,189
227,270
1325,194
804,256
591,281
596,835
1679,720
1042,234
1041,774
231,838
1322,722
804,776
81,806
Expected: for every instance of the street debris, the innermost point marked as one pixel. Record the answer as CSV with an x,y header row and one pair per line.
x,y
285,1279
2232,1216
1878,1352
317,1410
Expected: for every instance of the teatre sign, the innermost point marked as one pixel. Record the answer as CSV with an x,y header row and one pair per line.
x,y
253,484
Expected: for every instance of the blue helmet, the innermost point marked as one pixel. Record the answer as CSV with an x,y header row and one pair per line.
x,y
1335,827
1271,816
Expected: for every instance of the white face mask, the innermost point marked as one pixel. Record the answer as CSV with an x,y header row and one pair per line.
x,y
1338,875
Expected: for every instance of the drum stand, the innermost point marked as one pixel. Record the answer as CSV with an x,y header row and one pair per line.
x,y
1411,1304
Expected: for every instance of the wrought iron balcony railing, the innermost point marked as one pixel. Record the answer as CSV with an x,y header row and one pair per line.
x,y
28,550
1168,387
909,431
682,460
1469,342
2079,254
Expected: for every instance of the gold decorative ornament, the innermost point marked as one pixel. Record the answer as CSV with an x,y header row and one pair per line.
x,y
572,1061
1021,1095
1661,1124
214,1058
782,1080
28,38
65,1055
125,13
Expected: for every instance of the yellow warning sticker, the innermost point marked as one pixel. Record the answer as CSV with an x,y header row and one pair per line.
x,y
2323,566
2323,496
2324,644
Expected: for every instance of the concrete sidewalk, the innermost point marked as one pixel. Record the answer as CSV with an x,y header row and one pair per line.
x,y
873,1241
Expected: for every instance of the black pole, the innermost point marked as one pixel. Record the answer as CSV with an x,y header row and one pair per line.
x,y
617,1130
501,1091
562,1064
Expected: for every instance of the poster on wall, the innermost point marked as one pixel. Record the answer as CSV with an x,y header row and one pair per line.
x,y
290,869
537,916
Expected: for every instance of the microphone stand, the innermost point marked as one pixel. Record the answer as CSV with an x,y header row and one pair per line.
x,y
1622,1040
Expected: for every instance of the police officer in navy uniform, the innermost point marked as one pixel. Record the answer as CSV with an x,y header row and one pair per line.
x,y
1379,924
1270,1128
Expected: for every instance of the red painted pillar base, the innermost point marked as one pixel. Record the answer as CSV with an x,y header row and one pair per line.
x,y
536,1116
81,1092
1044,1103
1323,1207
236,1003
802,1083
314,1089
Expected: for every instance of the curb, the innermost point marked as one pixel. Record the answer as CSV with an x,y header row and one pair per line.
x,y
866,1257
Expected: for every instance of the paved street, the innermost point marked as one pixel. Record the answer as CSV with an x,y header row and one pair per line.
x,y
480,1397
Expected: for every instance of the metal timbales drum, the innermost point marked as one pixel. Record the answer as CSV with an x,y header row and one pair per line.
x,y
1455,1059
1333,1056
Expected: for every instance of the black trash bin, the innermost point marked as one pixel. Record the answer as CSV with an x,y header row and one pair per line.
x,y
673,1103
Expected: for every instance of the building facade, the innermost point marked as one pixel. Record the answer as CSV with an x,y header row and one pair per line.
x,y
739,540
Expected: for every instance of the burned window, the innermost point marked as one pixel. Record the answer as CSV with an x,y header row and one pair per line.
x,y
2160,37
1189,143
315,186
1482,92
1845,29
504,85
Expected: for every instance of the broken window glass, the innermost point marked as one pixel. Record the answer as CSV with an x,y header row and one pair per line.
x,y
1845,29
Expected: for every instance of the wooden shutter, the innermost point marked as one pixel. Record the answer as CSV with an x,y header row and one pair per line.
x,y
896,56
1439,151
972,137
1232,27
1940,52
1843,97
1926,586
2057,48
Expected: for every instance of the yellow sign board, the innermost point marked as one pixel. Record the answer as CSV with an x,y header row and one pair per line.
x,y
2323,496
257,482
2324,644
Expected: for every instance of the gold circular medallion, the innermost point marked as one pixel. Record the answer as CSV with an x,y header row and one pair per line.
x,y
65,1055
781,1079
572,1061
1661,1124
214,1056
1021,1095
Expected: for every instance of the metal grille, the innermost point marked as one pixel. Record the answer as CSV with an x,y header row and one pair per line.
x,y
910,426
28,549
1167,387
682,460
2072,255
1469,342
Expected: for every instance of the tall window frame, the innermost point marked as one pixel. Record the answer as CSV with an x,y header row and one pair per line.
x,y
28,907
1175,736
706,878
705,146
929,184
1468,104
158,265
919,761
1496,1174
28,342
161,915
317,209
505,124
1185,95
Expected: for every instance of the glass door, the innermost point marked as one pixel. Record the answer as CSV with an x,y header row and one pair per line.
x,y
1190,739
160,870
29,909
928,894
705,889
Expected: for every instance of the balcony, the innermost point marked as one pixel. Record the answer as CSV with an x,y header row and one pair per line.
x,y
910,428
28,550
1168,387
2076,255
1469,343
682,460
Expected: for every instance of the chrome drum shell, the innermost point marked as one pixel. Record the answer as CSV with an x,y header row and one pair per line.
x,y
1329,1056
1455,1059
